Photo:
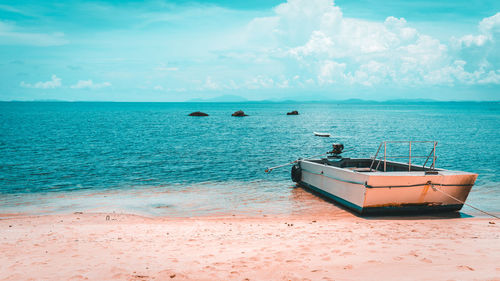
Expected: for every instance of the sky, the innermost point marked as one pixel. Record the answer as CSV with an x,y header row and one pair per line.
x,y
297,49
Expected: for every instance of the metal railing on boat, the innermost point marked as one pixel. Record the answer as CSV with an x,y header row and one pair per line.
x,y
409,156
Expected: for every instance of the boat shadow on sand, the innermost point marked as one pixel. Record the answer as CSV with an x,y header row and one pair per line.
x,y
403,215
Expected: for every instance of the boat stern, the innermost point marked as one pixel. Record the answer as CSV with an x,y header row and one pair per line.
x,y
417,192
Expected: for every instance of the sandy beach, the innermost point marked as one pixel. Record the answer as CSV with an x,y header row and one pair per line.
x,y
101,246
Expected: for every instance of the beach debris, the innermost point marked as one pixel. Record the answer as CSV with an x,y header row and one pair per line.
x,y
172,276
491,222
107,217
198,113
78,213
295,112
162,206
239,113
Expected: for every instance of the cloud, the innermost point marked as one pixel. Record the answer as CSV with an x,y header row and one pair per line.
x,y
490,25
489,30
320,43
331,71
165,67
13,35
472,40
210,84
55,82
88,84
493,77
299,45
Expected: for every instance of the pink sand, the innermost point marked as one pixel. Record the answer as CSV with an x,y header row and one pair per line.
x,y
129,247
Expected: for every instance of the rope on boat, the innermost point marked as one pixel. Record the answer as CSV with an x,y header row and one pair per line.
x,y
268,170
463,202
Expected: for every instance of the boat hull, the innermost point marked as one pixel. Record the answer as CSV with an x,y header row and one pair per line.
x,y
388,192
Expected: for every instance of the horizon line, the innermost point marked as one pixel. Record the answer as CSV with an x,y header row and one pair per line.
x,y
353,100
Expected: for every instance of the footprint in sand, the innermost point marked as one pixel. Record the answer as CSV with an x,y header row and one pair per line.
x,y
426,260
119,276
465,267
348,267
78,277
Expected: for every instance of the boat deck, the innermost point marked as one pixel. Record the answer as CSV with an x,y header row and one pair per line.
x,y
362,165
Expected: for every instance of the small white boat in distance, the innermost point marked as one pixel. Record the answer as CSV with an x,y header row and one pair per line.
x,y
325,135
371,185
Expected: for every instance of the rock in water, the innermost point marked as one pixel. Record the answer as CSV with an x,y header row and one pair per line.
x,y
239,113
198,113
295,112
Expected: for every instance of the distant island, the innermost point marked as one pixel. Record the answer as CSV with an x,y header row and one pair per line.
x,y
240,99
224,98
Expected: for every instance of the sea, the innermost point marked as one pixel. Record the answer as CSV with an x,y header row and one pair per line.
x,y
153,159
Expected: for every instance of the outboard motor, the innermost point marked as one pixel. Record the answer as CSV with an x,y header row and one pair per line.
x,y
336,150
296,173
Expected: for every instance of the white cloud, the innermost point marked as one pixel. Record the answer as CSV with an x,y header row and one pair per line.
x,y
319,45
489,29
55,82
493,77
13,35
259,82
331,71
313,38
210,84
473,40
89,84
164,67
490,25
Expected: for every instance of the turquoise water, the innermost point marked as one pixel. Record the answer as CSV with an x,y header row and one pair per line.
x,y
101,155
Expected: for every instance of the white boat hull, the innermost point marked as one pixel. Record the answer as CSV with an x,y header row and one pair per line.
x,y
379,192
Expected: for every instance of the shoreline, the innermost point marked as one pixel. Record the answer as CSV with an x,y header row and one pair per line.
x,y
112,246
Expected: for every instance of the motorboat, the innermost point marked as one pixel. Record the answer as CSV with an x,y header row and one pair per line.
x,y
379,185
324,135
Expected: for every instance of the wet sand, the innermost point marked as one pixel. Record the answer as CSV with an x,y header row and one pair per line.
x,y
107,246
